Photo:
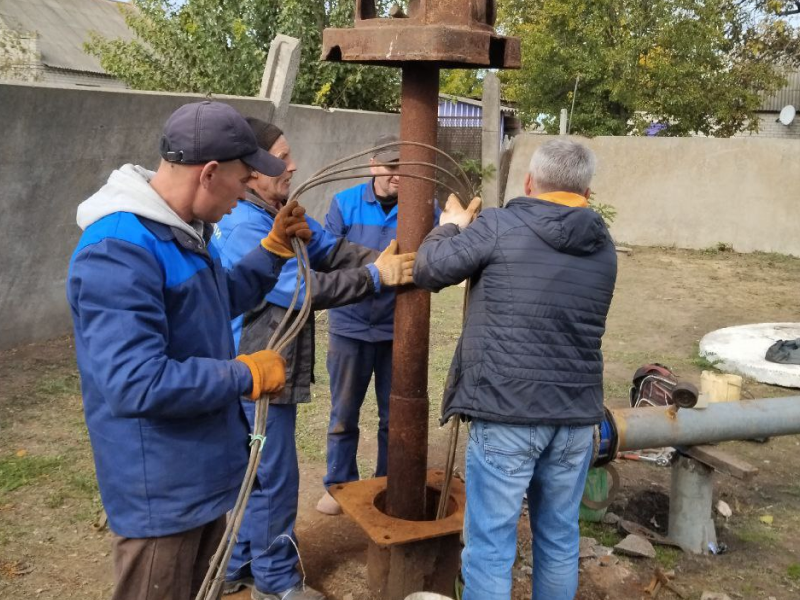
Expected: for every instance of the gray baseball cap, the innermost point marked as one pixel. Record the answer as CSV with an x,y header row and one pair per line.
x,y
202,132
390,154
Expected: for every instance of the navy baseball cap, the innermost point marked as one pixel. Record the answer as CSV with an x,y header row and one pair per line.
x,y
208,131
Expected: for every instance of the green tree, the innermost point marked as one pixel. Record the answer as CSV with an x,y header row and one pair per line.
x,y
696,66
209,46
462,82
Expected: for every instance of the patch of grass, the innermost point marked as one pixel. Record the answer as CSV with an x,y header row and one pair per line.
x,y
668,557
19,471
83,485
773,258
606,535
55,499
59,385
701,362
793,572
616,390
718,248
757,533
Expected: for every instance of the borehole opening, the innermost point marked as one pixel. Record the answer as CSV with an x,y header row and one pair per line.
x,y
431,503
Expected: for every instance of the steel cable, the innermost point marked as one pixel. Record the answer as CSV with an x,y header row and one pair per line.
x,y
283,335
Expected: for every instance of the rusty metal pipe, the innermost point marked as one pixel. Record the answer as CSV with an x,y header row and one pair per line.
x,y
640,428
408,401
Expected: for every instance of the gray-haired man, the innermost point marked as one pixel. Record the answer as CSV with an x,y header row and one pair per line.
x,y
528,370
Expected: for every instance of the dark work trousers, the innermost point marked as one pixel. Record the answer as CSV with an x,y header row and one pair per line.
x,y
264,549
171,567
351,364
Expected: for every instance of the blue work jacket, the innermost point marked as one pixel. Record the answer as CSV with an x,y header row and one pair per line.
x,y
356,215
245,226
152,308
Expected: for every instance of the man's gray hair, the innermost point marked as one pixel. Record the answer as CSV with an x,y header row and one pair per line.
x,y
563,165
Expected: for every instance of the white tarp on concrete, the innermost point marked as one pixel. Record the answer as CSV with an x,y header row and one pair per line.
x,y
741,350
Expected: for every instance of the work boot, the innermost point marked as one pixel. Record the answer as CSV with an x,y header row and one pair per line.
x,y
231,586
298,592
327,505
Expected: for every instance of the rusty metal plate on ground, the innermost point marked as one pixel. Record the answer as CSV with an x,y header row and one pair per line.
x,y
360,501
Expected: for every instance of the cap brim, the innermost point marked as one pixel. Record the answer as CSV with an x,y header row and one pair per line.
x,y
263,162
389,156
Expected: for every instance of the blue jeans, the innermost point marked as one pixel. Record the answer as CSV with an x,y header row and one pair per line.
x,y
351,364
503,462
272,509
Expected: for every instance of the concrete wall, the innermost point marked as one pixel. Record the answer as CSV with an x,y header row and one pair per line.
x,y
692,192
58,146
319,137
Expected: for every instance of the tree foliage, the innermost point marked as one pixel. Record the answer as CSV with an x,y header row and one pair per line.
x,y
462,82
694,66
209,46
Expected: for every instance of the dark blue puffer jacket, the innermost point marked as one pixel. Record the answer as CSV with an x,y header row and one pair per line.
x,y
543,277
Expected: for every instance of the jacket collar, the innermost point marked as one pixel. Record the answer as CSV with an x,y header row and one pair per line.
x,y
368,195
565,198
256,200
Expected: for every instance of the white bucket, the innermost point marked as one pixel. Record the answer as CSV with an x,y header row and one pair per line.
x,y
426,596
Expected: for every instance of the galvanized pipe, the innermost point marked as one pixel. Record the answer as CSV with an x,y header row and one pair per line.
x,y
408,401
639,428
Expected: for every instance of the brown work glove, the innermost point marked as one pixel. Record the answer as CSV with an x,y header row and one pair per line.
x,y
269,372
458,215
289,222
395,269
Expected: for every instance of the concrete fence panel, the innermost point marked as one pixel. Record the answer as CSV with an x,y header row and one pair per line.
x,y
58,145
692,192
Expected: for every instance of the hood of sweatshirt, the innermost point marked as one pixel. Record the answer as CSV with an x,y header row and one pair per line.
x,y
128,190
568,229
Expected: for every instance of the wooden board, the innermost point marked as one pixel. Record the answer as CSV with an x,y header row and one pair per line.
x,y
721,461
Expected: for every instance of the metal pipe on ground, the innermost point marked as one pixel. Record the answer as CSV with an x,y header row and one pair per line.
x,y
640,428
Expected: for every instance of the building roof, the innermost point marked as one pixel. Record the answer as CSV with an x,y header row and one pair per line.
x,y
64,25
787,95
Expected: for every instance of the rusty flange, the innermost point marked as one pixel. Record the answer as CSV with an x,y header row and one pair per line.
x,y
447,33
362,502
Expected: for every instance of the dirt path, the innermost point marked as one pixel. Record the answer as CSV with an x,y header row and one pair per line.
x,y
665,301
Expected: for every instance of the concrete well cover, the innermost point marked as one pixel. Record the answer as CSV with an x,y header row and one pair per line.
x,y
741,350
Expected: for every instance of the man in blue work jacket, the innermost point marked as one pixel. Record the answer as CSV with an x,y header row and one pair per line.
x,y
151,305
360,335
264,557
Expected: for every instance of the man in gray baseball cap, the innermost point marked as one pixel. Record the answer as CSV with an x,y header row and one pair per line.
x,y
161,383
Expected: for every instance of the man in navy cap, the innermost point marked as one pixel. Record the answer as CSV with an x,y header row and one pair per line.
x,y
161,383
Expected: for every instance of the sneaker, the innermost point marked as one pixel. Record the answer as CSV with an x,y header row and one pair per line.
x,y
299,592
236,585
327,505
